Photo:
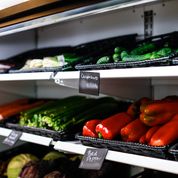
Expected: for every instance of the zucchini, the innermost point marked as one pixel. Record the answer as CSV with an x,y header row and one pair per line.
x,y
100,111
71,58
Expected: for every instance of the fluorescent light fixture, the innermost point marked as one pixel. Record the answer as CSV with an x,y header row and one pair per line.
x,y
9,3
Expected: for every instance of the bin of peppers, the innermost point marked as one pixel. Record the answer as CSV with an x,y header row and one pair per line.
x,y
147,127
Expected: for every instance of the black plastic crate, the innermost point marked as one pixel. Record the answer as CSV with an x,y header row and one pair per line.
x,y
158,40
19,60
154,62
127,147
67,135
173,150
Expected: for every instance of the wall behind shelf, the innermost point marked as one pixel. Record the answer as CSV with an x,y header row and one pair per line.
x,y
92,28
16,43
115,23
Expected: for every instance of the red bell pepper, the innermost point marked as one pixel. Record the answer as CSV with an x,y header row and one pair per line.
x,y
134,109
89,128
133,131
166,134
110,127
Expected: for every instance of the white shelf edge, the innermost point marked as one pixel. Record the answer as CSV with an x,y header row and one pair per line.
x,y
142,72
126,158
94,9
37,139
26,76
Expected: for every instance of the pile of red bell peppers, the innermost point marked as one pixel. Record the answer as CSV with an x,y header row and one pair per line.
x,y
152,122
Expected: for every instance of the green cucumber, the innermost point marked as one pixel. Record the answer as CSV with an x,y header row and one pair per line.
x,y
103,60
137,57
118,50
143,48
116,57
164,52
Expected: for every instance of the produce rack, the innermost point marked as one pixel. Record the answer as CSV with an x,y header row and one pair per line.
x,y
116,156
132,159
72,14
151,75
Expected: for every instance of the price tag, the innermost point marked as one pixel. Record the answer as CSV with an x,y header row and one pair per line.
x,y
12,138
93,159
89,83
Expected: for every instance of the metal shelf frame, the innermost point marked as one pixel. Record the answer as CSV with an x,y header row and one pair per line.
x,y
98,8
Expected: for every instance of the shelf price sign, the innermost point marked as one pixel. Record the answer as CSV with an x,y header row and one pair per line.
x,y
93,158
12,138
89,83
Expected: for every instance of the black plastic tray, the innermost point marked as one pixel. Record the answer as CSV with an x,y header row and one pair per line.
x,y
165,61
105,46
56,135
159,41
44,69
128,147
173,150
88,52
19,60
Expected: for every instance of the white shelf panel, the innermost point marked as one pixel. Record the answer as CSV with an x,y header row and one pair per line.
x,y
142,72
94,9
131,159
168,71
26,76
45,141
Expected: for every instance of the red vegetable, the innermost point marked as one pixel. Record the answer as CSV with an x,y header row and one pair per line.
x,y
134,109
133,131
89,128
166,134
12,104
142,139
156,108
110,127
157,119
19,108
150,133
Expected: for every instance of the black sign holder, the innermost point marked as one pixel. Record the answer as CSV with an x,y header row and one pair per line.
x,y
93,158
89,83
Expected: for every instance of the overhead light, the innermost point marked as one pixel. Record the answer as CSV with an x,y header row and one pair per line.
x,y
9,3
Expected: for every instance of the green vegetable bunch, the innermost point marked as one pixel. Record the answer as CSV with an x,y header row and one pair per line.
x,y
60,115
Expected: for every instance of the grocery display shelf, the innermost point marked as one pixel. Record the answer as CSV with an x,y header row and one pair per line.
x,y
142,72
126,158
94,9
45,141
